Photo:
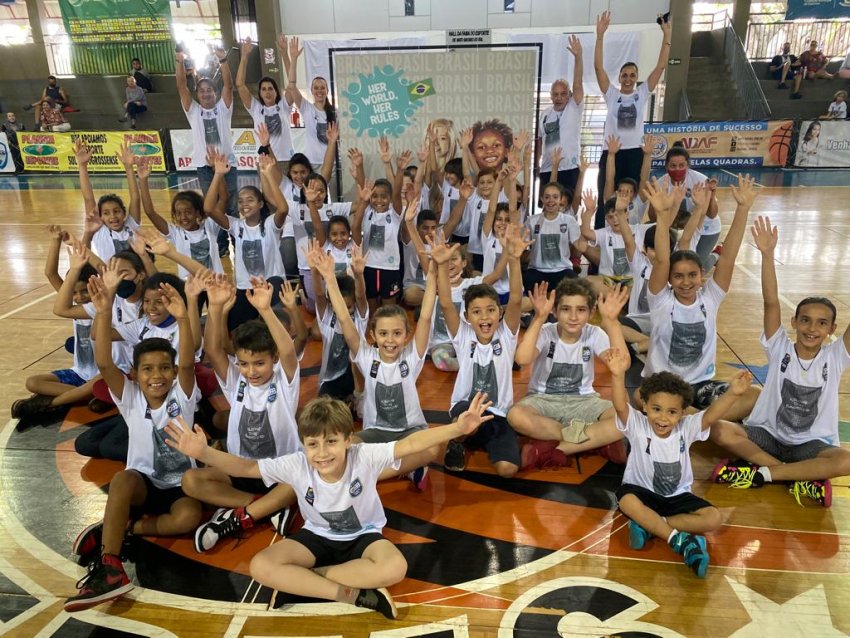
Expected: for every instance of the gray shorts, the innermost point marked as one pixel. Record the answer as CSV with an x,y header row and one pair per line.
x,y
377,435
782,451
564,408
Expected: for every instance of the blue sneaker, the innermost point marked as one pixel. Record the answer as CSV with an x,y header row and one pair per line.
x,y
692,547
637,536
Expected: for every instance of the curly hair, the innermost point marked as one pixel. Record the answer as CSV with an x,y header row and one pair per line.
x,y
669,383
496,126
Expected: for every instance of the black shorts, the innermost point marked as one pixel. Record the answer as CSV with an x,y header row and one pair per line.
x,y
532,276
460,239
495,436
250,485
567,179
385,284
331,552
157,500
477,262
340,388
664,505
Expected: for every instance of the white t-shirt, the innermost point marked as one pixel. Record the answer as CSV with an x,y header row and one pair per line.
x,y
262,418
473,216
147,451
439,331
492,253
390,399
450,197
414,275
566,368
550,251
561,128
276,119
335,355
201,245
710,225
123,312
210,127
626,116
799,401
613,261
315,132
136,331
380,238
84,364
641,269
106,242
838,110
661,465
257,252
636,210
292,193
302,225
684,338
341,256
485,367
343,510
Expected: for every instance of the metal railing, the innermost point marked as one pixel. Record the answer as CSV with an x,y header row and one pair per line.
x,y
709,21
765,36
684,106
749,91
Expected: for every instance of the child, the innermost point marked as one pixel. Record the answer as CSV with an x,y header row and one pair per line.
x,y
416,252
474,212
340,553
792,433
627,186
108,228
655,493
561,402
684,312
56,391
613,263
339,244
262,386
838,107
485,343
162,389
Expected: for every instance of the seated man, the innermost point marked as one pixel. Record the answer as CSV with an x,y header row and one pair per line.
x,y
143,78
50,117
785,66
813,63
56,93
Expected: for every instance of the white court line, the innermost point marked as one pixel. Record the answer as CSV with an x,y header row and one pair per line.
x,y
27,305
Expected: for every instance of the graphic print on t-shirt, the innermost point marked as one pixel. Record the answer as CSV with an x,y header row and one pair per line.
x,y
564,378
643,302
121,245
255,434
550,249
322,132
252,257
627,114
686,343
274,124
343,522
211,134
200,252
552,133
82,345
620,262
440,329
337,356
168,464
376,237
390,411
666,477
799,407
484,380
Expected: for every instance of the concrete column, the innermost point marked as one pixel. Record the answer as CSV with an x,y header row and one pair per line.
x,y
676,77
740,18
268,26
31,60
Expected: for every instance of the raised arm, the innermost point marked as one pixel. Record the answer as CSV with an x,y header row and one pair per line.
x,y
180,77
646,164
173,303
211,207
587,216
625,229
574,47
271,189
465,189
51,264
618,362
192,442
101,299
324,264
766,237
293,95
139,246
423,324
242,72
490,215
744,194
398,181
226,77
516,245
611,167
327,169
583,165
195,285
355,158
159,245
219,290
610,303
440,255
602,23
284,54
662,202
83,154
159,222
386,156
63,305
314,194
663,54
364,194
125,156
699,196
466,424
261,298
358,267
740,384
543,301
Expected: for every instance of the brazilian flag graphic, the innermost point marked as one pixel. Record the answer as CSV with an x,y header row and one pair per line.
x,y
421,89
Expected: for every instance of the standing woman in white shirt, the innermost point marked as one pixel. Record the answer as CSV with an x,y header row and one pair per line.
x,y
626,108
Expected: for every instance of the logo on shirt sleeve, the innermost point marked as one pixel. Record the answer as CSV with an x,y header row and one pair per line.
x,y
785,361
585,353
373,372
240,391
272,393
309,496
355,488
172,408
404,369
551,353
563,228
497,347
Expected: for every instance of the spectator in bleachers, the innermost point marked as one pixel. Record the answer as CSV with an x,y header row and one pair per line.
x,y
11,127
838,108
51,118
143,78
136,104
814,63
787,66
55,92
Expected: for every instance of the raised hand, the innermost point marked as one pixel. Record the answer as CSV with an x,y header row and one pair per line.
x,y
574,46
184,438
466,188
765,235
588,199
197,283
403,159
263,134
365,191
441,252
614,145
111,277
289,295
247,45
172,301
699,195
358,260
660,199
294,49
220,53
260,296
332,133
648,145
321,261
465,137
557,154
222,166
355,156
99,296
741,382
745,192
618,361
622,203
138,245
157,243
583,164
602,23
612,301
124,155
92,222
424,150
384,149
56,233
143,169
219,290
281,42
666,29
82,153
543,303
474,416
518,240
78,255
265,164
412,210
315,193
521,139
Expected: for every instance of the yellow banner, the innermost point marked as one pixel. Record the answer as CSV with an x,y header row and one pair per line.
x,y
54,152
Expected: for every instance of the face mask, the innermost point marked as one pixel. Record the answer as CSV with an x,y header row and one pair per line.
x,y
678,175
126,289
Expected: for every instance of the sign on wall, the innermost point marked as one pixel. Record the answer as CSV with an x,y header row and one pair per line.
x,y
725,144
824,143
821,9
54,152
117,20
244,147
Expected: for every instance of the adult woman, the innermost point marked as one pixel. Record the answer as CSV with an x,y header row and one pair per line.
x,y
136,102
271,109
626,107
808,153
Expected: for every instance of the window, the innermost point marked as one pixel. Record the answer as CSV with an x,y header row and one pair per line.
x,y
409,8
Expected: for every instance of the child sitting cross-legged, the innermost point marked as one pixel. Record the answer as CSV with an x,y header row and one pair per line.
x,y
340,553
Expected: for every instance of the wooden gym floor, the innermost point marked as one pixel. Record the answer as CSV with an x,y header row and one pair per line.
x,y
541,555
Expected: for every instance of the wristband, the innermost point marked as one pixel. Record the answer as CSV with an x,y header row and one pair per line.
x,y
263,150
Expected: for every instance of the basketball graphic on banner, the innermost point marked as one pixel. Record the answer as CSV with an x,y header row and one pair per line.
x,y
780,143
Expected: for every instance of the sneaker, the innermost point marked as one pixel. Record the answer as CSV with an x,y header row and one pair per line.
x,y
820,491
106,580
741,475
282,520
709,393
782,85
377,600
542,455
455,459
99,407
225,522
694,553
419,477
797,96
637,536
88,542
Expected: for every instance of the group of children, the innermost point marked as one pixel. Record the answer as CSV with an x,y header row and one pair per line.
x,y
139,344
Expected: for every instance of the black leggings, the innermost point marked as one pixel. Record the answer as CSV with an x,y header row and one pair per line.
x,y
105,440
627,164
243,311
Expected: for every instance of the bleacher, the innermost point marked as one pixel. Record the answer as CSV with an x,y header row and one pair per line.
x,y
817,94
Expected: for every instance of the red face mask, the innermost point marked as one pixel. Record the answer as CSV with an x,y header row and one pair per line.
x,y
677,176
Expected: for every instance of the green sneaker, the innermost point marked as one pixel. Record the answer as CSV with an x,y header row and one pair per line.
x,y
820,491
637,536
740,475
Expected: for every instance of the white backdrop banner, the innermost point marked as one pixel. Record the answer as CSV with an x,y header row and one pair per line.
x,y
316,58
558,62
397,94
7,165
244,147
823,143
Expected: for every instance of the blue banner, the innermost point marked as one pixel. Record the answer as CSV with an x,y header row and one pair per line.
x,y
820,9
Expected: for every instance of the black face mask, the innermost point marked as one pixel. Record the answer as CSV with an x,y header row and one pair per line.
x,y
126,289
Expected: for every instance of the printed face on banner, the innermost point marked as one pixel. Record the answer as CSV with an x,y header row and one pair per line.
x,y
480,98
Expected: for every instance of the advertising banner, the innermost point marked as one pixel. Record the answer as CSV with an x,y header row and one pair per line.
x,y
244,147
725,144
7,164
54,152
818,9
823,143
117,20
